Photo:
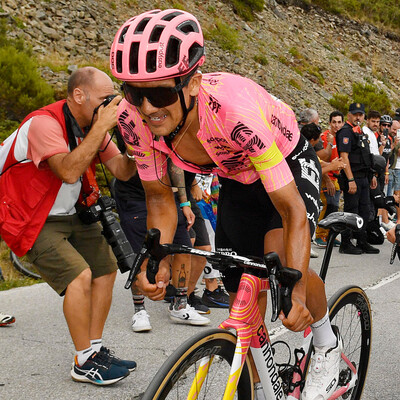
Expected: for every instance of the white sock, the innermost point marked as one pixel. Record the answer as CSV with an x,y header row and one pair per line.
x,y
323,335
83,355
96,344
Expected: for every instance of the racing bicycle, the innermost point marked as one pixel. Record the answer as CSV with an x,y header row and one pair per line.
x,y
214,365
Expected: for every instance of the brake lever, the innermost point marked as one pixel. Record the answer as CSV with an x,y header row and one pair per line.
x,y
272,262
288,278
152,247
140,257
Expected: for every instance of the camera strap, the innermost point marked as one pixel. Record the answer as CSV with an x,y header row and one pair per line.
x,y
90,189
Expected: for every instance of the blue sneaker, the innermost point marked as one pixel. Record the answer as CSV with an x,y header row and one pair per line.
x,y
217,298
98,370
131,365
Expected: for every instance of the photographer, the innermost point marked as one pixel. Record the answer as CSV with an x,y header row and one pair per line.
x,y
48,172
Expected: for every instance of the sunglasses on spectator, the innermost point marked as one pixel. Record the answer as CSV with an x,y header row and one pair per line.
x,y
160,96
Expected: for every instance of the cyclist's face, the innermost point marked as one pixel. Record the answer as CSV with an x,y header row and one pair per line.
x,y
159,106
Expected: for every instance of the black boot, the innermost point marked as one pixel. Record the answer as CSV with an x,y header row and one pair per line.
x,y
365,247
349,248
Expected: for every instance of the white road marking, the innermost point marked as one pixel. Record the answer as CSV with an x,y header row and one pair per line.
x,y
383,281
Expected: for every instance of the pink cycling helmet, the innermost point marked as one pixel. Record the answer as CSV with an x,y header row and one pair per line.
x,y
157,45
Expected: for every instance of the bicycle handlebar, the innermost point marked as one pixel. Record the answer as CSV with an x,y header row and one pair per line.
x,y
281,279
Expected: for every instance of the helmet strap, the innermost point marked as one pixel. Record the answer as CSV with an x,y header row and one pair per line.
x,y
185,110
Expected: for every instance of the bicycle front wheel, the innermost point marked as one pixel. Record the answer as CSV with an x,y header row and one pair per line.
x,y
350,311
22,265
180,374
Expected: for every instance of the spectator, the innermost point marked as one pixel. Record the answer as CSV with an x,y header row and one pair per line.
x,y
330,193
397,115
59,144
371,130
213,295
353,147
395,161
131,204
385,144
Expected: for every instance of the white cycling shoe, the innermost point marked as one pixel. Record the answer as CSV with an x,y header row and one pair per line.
x,y
141,321
323,376
187,315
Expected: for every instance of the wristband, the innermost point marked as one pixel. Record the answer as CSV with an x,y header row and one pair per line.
x,y
386,173
185,204
351,180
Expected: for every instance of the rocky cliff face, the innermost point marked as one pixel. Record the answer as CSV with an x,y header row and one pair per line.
x,y
304,56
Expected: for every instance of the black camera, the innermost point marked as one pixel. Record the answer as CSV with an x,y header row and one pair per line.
x,y
386,132
103,211
108,100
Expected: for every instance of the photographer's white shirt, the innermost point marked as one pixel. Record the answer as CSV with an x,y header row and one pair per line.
x,y
42,137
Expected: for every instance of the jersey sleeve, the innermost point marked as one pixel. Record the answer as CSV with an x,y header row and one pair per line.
x,y
151,163
272,168
251,128
45,139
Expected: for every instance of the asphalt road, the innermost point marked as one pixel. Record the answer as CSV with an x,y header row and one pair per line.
x,y
36,351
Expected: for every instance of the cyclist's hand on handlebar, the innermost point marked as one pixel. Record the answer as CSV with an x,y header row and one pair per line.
x,y
154,291
299,317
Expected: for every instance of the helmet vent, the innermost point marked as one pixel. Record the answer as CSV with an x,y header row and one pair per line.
x,y
196,51
133,58
151,58
188,27
156,33
122,35
142,25
119,61
171,16
172,54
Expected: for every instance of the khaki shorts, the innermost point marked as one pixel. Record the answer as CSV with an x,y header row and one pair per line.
x,y
65,247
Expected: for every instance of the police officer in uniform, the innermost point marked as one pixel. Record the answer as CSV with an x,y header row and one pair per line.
x,y
353,147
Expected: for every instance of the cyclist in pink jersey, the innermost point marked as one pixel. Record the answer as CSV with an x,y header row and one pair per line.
x,y
229,125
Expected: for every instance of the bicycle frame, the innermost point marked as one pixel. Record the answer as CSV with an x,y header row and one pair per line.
x,y
252,334
247,321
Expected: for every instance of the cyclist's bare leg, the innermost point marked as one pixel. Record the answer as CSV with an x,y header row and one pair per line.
x,y
101,296
76,306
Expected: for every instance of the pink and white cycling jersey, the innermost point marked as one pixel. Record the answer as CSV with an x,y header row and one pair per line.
x,y
245,131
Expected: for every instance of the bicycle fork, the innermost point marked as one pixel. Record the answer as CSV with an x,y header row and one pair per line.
x,y
252,333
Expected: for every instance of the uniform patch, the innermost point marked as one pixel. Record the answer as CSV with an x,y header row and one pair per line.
x,y
345,140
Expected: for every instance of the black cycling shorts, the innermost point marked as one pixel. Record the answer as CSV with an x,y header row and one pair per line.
x,y
133,216
246,213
